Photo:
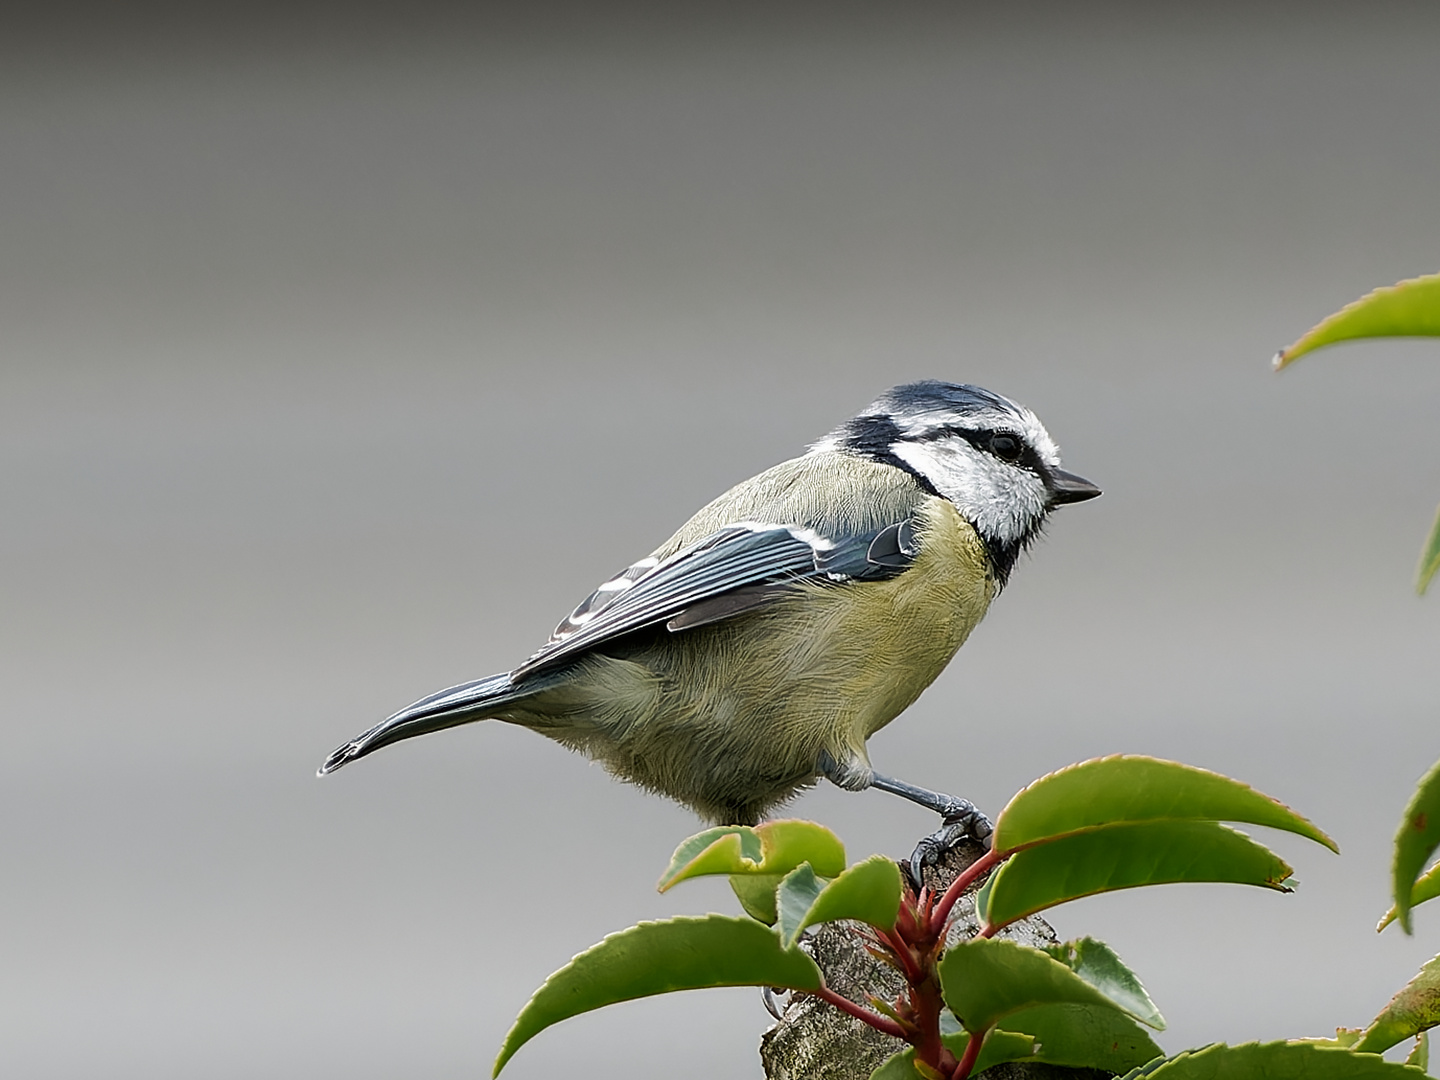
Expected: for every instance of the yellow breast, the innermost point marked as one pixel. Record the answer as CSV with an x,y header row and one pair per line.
x,y
888,640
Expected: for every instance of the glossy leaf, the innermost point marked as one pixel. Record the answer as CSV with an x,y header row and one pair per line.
x,y
686,953
1426,888
1415,841
1121,788
775,847
869,891
794,897
1409,308
986,980
1126,856
1414,1009
1097,964
1085,1036
1429,558
1001,1046
756,893
1273,1061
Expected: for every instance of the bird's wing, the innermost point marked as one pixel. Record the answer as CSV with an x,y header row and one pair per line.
x,y
734,569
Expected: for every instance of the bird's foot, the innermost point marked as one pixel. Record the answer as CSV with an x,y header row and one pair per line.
x,y
770,995
962,822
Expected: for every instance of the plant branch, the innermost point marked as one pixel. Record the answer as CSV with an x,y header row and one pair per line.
x,y
968,1059
875,1020
972,873
902,951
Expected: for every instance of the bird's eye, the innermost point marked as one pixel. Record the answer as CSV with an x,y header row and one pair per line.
x,y
1005,447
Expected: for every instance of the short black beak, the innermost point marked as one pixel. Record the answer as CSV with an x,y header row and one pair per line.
x,y
1066,487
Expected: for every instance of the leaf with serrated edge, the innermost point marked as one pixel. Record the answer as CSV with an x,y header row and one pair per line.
x,y
1098,964
1415,842
725,845
1409,308
1126,856
1414,1009
686,953
1127,787
1344,1038
1426,888
776,847
1419,1055
1000,1046
985,980
1273,1061
869,891
1085,1036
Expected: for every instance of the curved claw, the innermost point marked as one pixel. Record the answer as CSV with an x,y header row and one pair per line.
x,y
962,822
772,1002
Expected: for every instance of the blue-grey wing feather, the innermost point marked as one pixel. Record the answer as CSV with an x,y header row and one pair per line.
x,y
731,571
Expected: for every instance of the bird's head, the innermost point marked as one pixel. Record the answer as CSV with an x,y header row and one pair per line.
x,y
989,456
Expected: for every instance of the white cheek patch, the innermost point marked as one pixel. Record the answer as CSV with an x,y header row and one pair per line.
x,y
1004,502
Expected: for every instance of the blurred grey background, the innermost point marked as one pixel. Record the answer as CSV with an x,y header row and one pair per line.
x,y
343,349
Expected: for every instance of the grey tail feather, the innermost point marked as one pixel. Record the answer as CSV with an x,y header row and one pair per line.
x,y
456,705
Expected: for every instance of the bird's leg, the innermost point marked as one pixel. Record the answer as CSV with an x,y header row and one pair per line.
x,y
852,774
962,820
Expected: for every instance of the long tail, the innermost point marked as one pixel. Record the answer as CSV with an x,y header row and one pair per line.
x,y
457,705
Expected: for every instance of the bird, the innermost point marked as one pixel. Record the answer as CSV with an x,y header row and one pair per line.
x,y
790,619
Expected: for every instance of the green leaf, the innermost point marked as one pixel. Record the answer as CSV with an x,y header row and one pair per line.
x,y
1419,1055
716,847
1344,1038
985,980
775,847
1415,841
1097,964
1429,558
756,893
1085,1036
869,891
1409,308
1414,1009
1273,1061
1426,888
1001,1046
685,953
1127,787
794,897
1126,856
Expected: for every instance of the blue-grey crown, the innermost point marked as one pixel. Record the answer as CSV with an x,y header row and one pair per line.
x,y
934,396
902,410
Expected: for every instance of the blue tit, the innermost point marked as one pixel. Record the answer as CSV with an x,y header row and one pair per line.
x,y
761,646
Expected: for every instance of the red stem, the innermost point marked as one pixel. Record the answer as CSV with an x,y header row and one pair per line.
x,y
897,945
972,873
967,1059
874,1019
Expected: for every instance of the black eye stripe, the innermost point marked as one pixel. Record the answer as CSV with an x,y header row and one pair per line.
x,y
981,438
